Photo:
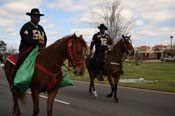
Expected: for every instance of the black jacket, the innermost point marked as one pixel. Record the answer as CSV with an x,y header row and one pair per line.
x,y
30,34
100,41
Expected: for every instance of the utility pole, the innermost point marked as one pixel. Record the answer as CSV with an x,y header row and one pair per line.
x,y
171,37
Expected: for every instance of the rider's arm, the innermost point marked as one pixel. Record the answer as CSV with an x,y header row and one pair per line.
x,y
109,40
26,34
45,37
92,44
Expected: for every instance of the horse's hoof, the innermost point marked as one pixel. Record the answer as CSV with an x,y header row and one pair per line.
x,y
109,95
95,94
116,100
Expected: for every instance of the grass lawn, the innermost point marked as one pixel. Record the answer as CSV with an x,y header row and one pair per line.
x,y
163,72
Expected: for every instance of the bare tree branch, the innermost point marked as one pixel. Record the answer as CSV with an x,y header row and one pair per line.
x,y
112,18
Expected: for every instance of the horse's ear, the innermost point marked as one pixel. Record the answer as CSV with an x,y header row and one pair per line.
x,y
81,36
123,36
75,35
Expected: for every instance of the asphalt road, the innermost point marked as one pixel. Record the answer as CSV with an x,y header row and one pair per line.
x,y
76,101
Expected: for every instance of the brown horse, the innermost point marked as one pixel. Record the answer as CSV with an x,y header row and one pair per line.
x,y
112,65
48,68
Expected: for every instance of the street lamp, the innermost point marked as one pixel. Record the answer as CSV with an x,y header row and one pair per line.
x,y
171,45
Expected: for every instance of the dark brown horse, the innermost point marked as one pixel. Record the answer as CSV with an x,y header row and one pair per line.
x,y
113,65
2,58
48,68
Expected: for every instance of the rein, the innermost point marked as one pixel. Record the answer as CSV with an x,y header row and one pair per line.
x,y
49,72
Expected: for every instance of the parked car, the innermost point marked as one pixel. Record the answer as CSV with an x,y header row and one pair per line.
x,y
169,59
1,65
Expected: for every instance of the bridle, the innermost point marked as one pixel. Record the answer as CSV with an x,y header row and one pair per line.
x,y
72,56
125,45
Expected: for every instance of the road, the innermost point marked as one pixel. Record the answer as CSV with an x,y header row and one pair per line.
x,y
77,102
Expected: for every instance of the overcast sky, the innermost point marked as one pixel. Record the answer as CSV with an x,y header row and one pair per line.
x,y
154,20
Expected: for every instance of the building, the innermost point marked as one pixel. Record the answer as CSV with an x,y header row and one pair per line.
x,y
143,52
156,52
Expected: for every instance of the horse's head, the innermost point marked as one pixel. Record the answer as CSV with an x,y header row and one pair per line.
x,y
76,51
127,45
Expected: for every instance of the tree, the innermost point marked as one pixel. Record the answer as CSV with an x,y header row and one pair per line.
x,y
112,18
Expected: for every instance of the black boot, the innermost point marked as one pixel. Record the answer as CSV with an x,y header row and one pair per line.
x,y
100,76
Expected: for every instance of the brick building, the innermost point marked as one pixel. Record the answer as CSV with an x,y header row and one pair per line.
x,y
156,52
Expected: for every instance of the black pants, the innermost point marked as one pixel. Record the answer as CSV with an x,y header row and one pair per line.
x,y
21,57
100,62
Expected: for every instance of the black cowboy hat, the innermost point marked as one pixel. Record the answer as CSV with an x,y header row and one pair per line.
x,y
34,11
102,26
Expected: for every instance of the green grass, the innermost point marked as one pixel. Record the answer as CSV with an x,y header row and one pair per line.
x,y
164,73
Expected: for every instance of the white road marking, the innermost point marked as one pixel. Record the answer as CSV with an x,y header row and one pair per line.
x,y
56,100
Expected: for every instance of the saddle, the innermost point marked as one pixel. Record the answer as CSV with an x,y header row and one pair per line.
x,y
13,58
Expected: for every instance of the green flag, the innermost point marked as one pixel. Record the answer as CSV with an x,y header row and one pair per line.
x,y
66,78
24,74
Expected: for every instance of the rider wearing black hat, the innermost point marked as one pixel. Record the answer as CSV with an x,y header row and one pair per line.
x,y
101,41
32,34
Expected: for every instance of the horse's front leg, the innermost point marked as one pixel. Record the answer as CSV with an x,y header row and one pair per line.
x,y
112,86
50,100
35,98
16,110
116,87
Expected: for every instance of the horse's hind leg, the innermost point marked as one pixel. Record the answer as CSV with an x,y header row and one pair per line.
x,y
35,98
50,100
9,75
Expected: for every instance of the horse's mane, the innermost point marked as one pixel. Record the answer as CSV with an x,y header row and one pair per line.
x,y
65,38
115,43
80,39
